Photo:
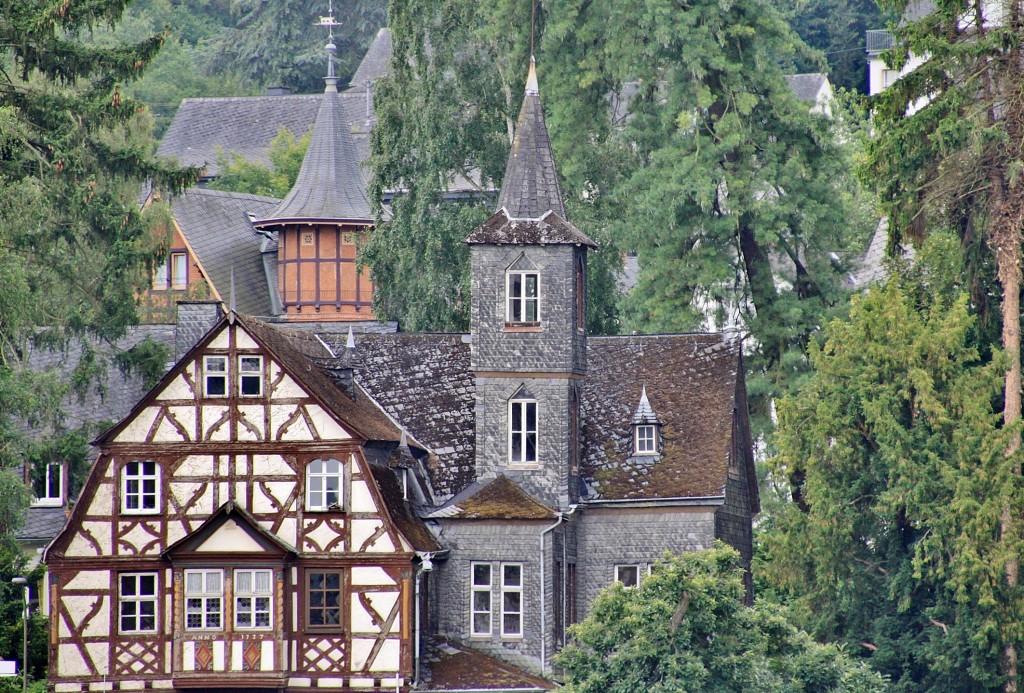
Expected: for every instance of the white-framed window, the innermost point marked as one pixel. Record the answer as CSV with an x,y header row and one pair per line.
x,y
628,575
253,594
511,600
161,277
179,271
324,484
204,602
480,599
522,438
48,485
140,487
646,440
137,599
250,376
889,77
215,376
523,292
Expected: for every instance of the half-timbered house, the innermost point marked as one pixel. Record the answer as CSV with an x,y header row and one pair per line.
x,y
292,509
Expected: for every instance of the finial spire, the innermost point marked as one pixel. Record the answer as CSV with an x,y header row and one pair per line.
x,y
331,79
531,78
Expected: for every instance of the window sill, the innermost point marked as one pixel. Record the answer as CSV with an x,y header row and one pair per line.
x,y
523,327
520,466
142,513
47,503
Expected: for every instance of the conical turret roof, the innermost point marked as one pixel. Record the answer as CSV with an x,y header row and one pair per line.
x,y
530,186
330,187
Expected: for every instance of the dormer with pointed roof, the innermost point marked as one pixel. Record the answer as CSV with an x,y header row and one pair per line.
x,y
320,221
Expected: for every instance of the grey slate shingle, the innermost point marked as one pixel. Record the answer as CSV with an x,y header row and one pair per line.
x,y
807,85
375,63
217,228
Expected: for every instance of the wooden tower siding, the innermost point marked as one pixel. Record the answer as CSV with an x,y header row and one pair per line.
x,y
231,495
318,275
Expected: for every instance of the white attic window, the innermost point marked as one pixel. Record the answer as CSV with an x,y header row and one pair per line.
x,y
646,428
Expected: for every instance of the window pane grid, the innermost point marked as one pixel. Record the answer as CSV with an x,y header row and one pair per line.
x,y
323,484
140,487
523,434
250,381
215,369
511,599
252,598
646,440
203,599
324,594
137,602
480,599
523,297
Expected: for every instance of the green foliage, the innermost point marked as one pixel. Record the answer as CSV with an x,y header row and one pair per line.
x,y
237,174
685,629
147,361
13,563
836,28
276,43
898,437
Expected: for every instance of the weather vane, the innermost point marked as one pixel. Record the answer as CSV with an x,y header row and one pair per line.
x,y
329,22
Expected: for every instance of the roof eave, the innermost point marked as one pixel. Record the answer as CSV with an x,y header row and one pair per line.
x,y
674,502
261,223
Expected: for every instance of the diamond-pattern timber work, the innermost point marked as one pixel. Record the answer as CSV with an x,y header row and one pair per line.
x,y
323,654
204,656
134,657
251,656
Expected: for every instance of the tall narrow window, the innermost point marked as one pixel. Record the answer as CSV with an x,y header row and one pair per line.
x,y
323,598
203,599
161,277
323,484
252,599
48,485
511,599
179,271
250,376
140,487
522,444
137,602
523,297
215,371
480,597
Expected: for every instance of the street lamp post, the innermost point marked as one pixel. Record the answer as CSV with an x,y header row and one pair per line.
x,y
24,634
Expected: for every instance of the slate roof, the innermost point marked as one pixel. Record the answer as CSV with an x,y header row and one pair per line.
x,y
240,124
498,499
806,86
452,666
530,186
41,524
216,226
873,264
424,381
330,186
691,384
502,229
403,515
375,63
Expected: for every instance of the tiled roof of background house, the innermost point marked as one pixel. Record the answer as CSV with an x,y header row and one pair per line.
x,y
806,86
691,384
500,229
375,63
216,225
497,499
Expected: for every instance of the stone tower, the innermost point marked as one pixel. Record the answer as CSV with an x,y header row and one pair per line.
x,y
529,321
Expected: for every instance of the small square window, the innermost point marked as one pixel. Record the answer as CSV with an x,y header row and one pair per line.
x,y
628,575
48,485
215,370
250,376
307,238
646,440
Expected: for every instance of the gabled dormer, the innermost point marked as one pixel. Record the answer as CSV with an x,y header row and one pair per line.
x,y
646,428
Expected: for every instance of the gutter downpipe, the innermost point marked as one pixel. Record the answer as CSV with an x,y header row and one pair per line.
x,y
543,602
425,566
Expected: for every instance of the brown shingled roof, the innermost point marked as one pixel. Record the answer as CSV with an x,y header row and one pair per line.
x,y
501,499
452,666
691,385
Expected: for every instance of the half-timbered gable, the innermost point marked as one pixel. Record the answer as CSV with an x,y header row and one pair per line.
x,y
233,532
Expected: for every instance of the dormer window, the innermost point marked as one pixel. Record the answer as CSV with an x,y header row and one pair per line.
x,y
48,485
646,428
646,440
523,291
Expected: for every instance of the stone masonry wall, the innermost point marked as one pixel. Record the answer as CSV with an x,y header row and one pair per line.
x,y
607,537
559,347
549,481
496,542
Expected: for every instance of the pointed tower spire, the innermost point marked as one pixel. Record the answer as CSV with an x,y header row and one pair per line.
x,y
644,414
330,187
530,187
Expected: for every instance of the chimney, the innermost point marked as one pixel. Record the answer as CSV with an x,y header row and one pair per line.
x,y
194,319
